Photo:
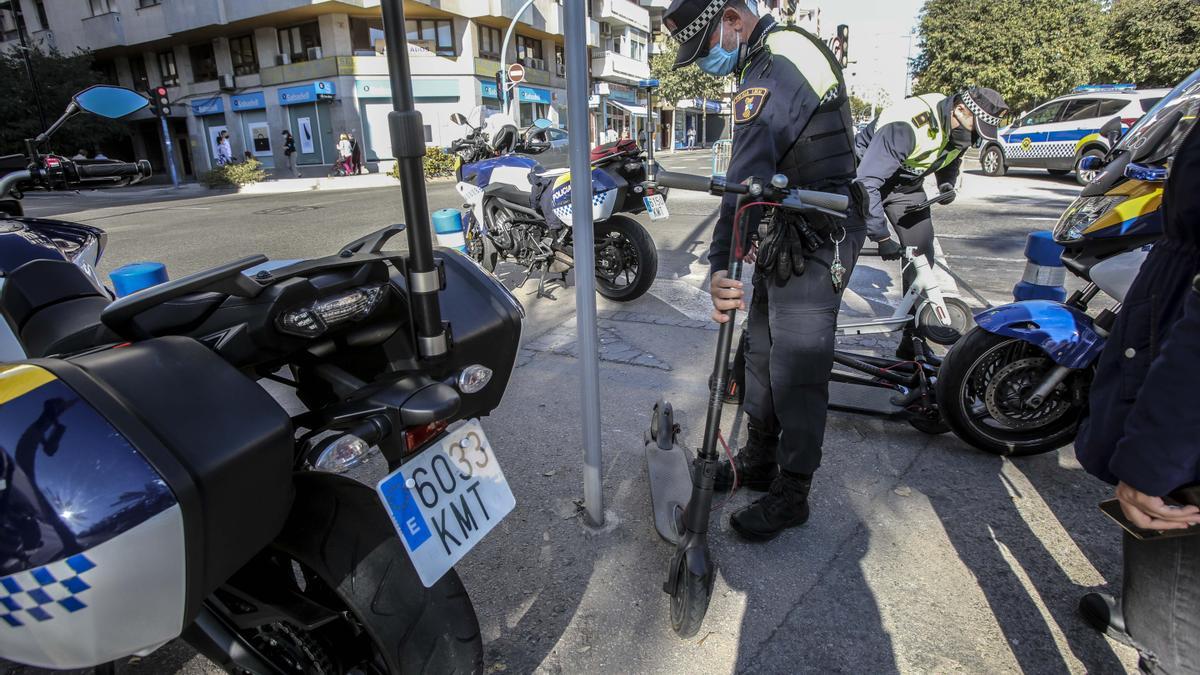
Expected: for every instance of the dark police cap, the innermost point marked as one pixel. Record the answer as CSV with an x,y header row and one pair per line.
x,y
989,109
692,23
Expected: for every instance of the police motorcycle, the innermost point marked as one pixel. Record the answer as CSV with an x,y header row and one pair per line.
x,y
681,485
150,488
474,146
1017,384
514,209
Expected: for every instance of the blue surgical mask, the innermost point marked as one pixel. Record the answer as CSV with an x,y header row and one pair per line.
x,y
720,61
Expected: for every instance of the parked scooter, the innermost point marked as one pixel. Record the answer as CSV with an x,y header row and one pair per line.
x,y
1018,383
153,489
517,210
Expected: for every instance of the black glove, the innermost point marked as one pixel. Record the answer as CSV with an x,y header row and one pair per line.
x,y
944,188
890,249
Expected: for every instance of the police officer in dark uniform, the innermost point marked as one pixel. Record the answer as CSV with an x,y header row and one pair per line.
x,y
791,117
908,141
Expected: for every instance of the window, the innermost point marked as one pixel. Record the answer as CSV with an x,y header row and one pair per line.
x,y
366,36
204,63
1147,103
148,3
560,61
99,7
432,35
527,49
489,43
241,51
166,66
637,50
428,133
1112,106
1080,109
40,8
137,68
295,41
1044,115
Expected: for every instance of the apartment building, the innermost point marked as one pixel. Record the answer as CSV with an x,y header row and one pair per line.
x,y
318,67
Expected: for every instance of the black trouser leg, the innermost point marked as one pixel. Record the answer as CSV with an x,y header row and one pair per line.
x,y
799,325
758,402
1161,602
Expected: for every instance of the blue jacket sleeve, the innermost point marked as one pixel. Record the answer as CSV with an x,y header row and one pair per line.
x,y
891,145
758,147
1160,450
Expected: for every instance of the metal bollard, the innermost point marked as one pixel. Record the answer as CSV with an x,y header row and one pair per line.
x,y
134,277
1045,275
448,225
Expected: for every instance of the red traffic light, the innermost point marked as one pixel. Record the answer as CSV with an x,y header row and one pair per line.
x,y
160,91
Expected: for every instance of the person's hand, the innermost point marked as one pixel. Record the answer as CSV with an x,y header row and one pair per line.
x,y
726,294
889,249
944,188
1152,513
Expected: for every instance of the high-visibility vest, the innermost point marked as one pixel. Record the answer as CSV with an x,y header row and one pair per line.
x,y
920,114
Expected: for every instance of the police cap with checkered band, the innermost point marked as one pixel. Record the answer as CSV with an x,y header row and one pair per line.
x,y
692,23
988,107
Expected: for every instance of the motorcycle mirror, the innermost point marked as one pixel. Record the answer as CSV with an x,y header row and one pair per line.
x,y
1111,130
111,102
458,118
1091,163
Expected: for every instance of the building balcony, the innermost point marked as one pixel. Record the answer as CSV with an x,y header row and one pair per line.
x,y
305,70
625,13
544,15
180,17
103,31
620,68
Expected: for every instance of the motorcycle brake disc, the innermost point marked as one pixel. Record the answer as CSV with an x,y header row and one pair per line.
x,y
1006,391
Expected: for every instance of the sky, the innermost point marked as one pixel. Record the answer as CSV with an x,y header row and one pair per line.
x,y
878,42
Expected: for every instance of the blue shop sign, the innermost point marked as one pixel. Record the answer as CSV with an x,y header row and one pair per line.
x,y
252,101
488,89
532,95
208,106
309,93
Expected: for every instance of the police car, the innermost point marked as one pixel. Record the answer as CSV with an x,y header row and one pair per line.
x,y
1058,134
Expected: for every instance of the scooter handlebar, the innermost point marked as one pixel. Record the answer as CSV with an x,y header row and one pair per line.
x,y
140,169
825,200
684,181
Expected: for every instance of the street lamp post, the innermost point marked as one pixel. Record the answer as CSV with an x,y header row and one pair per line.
x,y
504,99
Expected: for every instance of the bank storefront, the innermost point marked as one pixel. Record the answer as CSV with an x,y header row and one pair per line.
x,y
436,99
250,111
210,118
309,117
533,103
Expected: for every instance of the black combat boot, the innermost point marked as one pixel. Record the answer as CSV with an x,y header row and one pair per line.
x,y
755,462
1103,613
784,506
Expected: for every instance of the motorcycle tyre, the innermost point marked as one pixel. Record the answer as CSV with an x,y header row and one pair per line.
x,y
647,252
955,369
339,531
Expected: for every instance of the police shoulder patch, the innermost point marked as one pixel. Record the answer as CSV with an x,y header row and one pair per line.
x,y
749,103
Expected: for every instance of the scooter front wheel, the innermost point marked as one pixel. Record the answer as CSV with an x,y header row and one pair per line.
x,y
689,602
959,314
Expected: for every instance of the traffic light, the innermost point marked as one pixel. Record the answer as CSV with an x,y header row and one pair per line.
x,y
160,102
843,39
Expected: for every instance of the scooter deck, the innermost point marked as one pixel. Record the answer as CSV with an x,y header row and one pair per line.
x,y
669,465
864,400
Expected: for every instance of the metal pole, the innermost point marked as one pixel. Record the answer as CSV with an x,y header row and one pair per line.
x,y
19,19
166,134
504,99
408,147
575,37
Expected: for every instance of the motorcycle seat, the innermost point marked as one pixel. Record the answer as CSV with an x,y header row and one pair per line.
x,y
68,326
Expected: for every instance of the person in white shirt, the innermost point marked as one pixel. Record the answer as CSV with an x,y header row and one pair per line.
x,y
224,149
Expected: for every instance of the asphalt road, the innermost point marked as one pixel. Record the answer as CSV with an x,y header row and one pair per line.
x,y
923,555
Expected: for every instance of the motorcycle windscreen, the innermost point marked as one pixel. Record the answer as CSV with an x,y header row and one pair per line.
x,y
91,536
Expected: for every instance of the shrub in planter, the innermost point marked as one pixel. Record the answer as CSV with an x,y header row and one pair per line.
x,y
235,174
437,163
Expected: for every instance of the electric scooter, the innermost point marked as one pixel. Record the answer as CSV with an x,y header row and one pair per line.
x,y
682,499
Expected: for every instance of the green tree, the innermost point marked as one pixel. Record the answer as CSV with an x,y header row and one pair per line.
x,y
59,77
1028,50
1153,43
689,82
860,109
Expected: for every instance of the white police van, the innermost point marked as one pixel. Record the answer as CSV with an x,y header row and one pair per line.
x,y
1058,134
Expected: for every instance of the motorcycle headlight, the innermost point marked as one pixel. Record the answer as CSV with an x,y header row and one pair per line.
x,y
319,317
1080,216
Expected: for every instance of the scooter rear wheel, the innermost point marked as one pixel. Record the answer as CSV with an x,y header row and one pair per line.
x,y
689,602
961,321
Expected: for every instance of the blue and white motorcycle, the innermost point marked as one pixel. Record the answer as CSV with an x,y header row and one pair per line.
x,y
1017,384
517,210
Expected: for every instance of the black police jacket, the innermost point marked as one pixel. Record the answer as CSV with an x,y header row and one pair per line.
x,y
782,125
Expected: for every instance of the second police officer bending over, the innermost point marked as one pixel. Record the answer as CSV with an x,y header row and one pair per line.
x,y
791,116
908,141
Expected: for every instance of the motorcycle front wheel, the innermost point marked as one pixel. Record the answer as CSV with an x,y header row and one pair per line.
x,y
981,387
626,259
344,554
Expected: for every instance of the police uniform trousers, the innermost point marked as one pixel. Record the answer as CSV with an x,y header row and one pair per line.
x,y
789,351
913,229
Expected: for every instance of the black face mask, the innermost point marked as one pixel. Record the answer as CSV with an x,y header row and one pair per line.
x,y
962,137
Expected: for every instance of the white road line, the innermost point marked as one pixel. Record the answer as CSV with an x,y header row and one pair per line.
x,y
986,258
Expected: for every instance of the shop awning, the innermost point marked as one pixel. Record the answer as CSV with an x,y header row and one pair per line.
x,y
636,110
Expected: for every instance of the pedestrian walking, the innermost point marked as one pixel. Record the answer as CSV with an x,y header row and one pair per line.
x,y
691,138
289,153
80,154
356,155
919,136
792,117
1141,436
224,149
345,154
